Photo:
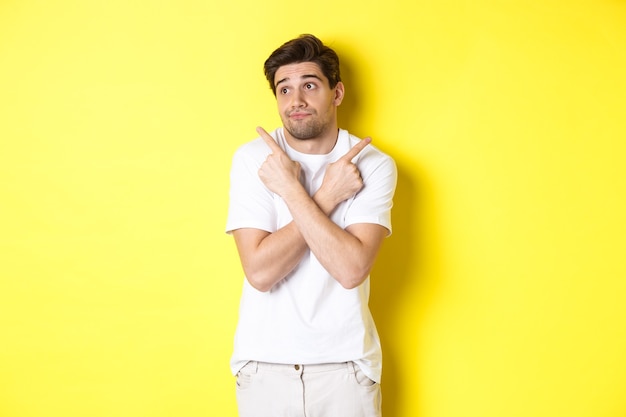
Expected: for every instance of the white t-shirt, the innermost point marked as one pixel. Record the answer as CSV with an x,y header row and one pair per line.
x,y
308,317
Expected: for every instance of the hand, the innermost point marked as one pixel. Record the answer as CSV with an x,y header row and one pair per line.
x,y
279,173
342,179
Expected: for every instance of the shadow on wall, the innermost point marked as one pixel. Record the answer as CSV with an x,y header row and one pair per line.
x,y
391,286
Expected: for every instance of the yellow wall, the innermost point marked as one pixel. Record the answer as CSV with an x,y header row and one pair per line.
x,y
501,292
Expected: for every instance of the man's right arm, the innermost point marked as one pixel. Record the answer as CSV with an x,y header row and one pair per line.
x,y
267,258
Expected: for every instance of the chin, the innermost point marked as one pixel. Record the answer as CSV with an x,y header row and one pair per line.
x,y
304,134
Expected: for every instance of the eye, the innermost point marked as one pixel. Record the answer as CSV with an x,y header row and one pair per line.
x,y
284,90
309,86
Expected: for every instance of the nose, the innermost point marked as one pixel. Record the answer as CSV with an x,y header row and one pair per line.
x,y
297,99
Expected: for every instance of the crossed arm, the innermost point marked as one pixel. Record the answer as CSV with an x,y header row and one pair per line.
x,y
348,255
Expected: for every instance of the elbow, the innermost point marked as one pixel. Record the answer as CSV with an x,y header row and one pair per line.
x,y
350,284
260,287
352,279
259,281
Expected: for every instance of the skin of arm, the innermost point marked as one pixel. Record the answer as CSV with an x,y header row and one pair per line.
x,y
348,255
267,257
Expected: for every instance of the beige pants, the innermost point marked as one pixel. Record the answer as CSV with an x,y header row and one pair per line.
x,y
327,390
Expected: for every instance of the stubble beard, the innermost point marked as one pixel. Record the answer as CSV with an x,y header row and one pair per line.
x,y
305,129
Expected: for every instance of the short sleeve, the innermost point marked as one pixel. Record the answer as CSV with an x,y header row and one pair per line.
x,y
251,204
373,203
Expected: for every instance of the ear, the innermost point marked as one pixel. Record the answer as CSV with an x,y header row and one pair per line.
x,y
339,92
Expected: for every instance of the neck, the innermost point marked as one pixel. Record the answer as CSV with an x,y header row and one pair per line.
x,y
319,145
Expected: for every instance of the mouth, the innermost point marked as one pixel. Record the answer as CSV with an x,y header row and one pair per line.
x,y
299,115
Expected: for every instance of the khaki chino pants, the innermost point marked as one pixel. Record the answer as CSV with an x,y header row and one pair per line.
x,y
326,390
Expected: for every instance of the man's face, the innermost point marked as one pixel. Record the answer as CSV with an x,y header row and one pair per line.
x,y
306,103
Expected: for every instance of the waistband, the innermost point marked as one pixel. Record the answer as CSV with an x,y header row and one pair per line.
x,y
254,366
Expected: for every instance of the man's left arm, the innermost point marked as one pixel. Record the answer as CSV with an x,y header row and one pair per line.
x,y
348,255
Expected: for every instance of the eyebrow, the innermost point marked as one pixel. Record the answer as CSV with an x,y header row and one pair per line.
x,y
304,77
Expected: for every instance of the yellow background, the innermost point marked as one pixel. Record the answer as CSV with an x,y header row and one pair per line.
x,y
501,293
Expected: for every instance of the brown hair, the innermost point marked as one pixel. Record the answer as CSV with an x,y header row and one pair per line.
x,y
305,48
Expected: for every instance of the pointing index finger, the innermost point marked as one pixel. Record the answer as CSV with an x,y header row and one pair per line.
x,y
356,149
269,140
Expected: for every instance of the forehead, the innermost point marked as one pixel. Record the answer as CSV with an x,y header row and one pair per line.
x,y
297,71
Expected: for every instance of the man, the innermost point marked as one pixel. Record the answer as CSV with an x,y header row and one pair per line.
x,y
309,208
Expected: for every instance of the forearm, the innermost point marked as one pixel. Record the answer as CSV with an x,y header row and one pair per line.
x,y
267,258
347,256
341,253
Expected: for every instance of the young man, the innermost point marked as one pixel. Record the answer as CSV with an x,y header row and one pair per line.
x,y
310,205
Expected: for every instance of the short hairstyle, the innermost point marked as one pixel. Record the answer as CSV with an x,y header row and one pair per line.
x,y
305,48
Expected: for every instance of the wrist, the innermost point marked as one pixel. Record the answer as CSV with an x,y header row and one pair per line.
x,y
294,192
324,203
